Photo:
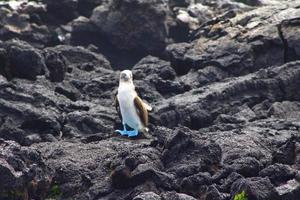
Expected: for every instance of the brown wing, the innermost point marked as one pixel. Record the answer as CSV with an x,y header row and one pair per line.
x,y
148,107
141,110
118,107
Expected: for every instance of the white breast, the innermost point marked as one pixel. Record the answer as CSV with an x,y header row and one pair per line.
x,y
126,95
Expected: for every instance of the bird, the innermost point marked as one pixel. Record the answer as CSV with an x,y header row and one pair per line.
x,y
131,108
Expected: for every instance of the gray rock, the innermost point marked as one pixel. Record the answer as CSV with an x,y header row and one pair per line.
x,y
278,173
177,196
147,196
213,193
80,56
287,29
225,187
255,188
22,167
196,184
290,190
179,3
285,154
22,20
85,7
259,45
247,166
22,60
224,93
147,18
58,10
285,110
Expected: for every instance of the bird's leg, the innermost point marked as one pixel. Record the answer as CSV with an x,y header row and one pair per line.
x,y
133,133
124,131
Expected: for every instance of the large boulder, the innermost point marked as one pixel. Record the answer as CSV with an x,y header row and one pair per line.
x,y
252,38
177,196
21,60
133,24
200,110
56,11
147,196
278,173
22,19
288,31
285,109
85,7
254,188
289,191
23,172
81,57
159,76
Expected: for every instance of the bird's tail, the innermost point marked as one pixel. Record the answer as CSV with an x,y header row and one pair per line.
x,y
145,131
148,107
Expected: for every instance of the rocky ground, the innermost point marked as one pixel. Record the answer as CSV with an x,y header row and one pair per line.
x,y
222,76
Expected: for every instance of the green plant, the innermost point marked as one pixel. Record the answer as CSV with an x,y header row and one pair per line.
x,y
55,192
241,196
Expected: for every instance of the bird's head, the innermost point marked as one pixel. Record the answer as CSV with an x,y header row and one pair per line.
x,y
126,76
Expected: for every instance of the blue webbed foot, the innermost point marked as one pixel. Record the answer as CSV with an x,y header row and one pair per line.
x,y
132,133
124,132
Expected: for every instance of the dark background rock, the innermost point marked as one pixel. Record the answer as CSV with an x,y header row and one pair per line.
x,y
222,77
22,60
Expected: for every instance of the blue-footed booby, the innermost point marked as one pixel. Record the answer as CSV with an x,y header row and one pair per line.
x,y
131,108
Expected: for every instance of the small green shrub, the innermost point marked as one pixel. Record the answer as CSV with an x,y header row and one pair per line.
x,y
55,192
241,196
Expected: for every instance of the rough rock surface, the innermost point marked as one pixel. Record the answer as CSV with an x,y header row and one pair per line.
x,y
223,78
